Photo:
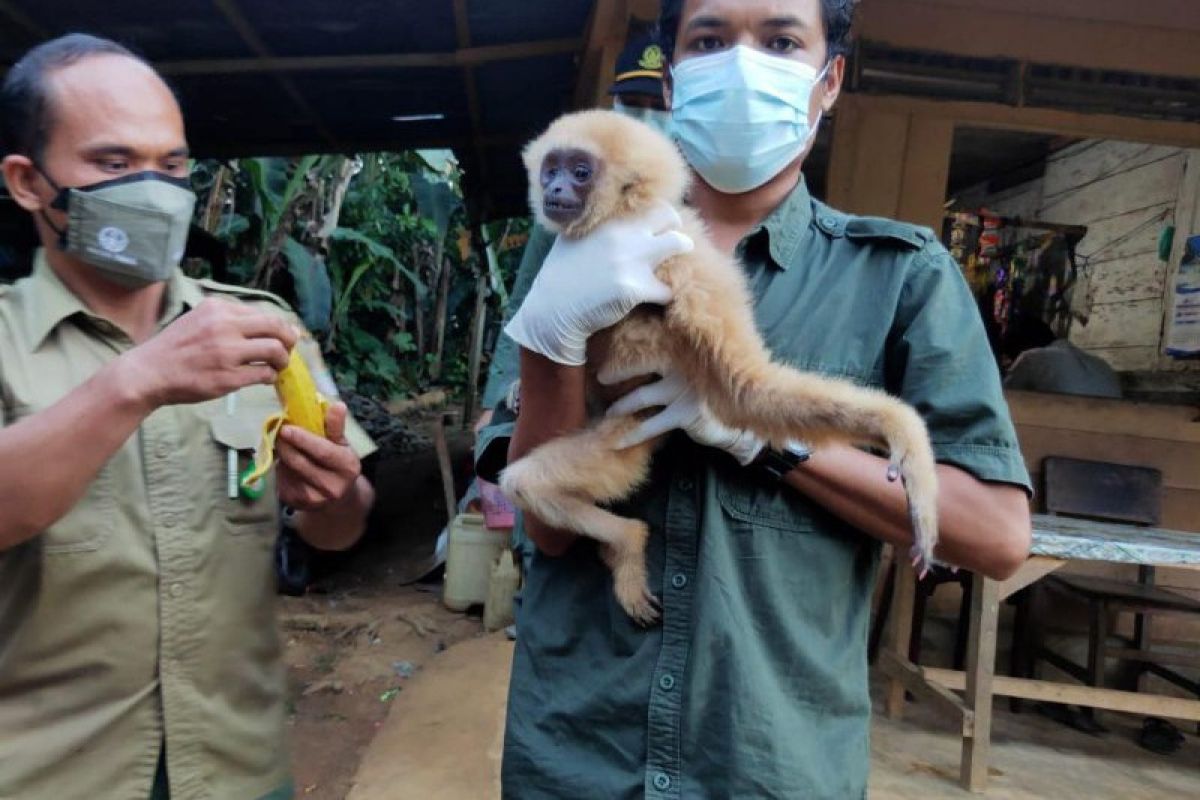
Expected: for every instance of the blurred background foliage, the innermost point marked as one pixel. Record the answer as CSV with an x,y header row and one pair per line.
x,y
374,252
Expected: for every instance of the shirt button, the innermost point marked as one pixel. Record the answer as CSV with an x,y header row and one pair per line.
x,y
662,781
162,451
828,222
169,520
176,589
679,580
667,682
685,485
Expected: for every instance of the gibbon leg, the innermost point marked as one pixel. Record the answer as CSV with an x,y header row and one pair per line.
x,y
561,482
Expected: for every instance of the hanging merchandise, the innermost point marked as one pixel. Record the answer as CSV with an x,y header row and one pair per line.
x,y
1183,338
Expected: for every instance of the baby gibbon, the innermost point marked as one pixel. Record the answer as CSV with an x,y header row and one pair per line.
x,y
594,166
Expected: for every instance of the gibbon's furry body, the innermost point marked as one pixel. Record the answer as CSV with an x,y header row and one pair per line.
x,y
707,333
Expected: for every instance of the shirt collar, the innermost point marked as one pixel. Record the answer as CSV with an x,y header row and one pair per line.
x,y
52,302
786,225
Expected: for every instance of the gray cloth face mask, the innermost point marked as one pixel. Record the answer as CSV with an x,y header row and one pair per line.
x,y
132,229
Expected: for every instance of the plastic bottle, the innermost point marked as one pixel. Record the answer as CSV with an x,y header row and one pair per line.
x,y
505,581
470,553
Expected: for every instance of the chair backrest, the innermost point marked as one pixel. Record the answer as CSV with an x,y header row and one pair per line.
x,y
1102,490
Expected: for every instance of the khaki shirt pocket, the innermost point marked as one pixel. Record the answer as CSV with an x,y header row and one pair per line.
x,y
91,521
239,431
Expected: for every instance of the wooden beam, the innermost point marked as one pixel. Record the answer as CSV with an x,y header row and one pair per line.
x,y
462,29
980,681
1037,120
605,38
1123,42
904,594
246,32
1070,694
473,56
914,680
1031,571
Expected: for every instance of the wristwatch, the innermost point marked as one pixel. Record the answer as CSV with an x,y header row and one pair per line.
x,y
778,463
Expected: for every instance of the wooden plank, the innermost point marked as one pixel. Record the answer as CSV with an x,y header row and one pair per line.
x,y
900,631
1176,460
926,172
1025,118
1088,540
1030,572
1149,13
1102,490
1070,694
1137,323
935,694
1031,36
1157,656
981,668
1108,417
1138,277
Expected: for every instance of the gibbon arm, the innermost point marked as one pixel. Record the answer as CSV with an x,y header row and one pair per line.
x,y
983,527
552,404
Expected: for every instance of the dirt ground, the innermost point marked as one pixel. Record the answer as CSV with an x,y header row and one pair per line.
x,y
358,635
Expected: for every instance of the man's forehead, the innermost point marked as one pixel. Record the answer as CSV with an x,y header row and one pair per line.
x,y
113,92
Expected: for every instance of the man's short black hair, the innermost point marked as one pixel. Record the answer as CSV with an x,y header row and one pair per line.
x,y
837,16
25,95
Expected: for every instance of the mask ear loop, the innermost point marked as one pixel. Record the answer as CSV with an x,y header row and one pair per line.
x,y
61,198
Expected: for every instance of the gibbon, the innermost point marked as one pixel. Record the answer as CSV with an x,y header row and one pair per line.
x,y
593,166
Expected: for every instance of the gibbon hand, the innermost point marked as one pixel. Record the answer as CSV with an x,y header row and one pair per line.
x,y
591,283
683,409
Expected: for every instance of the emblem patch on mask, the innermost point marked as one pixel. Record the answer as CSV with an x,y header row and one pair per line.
x,y
114,240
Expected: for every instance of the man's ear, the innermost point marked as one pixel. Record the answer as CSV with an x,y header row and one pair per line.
x,y
21,178
833,82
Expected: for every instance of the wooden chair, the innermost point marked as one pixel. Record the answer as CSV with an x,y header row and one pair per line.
x,y
925,590
1111,493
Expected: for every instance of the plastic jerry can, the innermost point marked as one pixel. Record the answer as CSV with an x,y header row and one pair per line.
x,y
471,551
506,580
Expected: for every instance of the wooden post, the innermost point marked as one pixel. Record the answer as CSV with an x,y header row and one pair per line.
x,y
900,631
981,669
478,325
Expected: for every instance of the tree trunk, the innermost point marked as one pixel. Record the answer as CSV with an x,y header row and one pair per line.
x,y
418,310
478,325
215,205
439,316
344,174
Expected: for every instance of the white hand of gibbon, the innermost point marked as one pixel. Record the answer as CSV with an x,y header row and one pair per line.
x,y
683,409
588,284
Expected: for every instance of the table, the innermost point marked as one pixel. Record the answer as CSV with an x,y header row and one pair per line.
x,y
1056,540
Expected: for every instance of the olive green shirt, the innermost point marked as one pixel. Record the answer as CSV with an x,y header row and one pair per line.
x,y
147,613
755,683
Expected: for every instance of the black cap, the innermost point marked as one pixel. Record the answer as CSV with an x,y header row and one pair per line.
x,y
640,66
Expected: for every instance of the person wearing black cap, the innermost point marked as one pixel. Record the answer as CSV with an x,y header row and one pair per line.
x,y
637,89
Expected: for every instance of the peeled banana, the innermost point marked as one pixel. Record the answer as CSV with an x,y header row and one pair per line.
x,y
303,406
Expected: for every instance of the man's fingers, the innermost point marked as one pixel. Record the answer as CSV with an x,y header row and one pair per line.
x,y
261,325
326,454
252,374
335,423
263,351
306,470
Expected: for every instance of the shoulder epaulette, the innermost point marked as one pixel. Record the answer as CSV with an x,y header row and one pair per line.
x,y
243,292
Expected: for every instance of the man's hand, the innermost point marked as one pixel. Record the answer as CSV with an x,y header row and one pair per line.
x,y
314,472
588,284
214,349
683,408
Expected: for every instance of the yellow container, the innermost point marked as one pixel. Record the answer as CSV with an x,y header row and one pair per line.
x,y
506,580
471,551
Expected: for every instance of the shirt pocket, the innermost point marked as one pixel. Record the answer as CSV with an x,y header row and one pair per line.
x,y
752,504
239,431
91,521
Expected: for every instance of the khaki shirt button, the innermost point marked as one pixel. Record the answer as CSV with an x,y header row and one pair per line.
x,y
169,520
176,589
162,451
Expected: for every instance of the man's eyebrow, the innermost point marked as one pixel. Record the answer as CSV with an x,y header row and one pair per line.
x,y
784,22
180,152
707,21
102,150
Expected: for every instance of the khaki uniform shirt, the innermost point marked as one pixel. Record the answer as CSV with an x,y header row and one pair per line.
x,y
147,613
755,683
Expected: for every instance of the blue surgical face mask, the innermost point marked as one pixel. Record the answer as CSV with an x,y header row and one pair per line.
x,y
656,118
741,116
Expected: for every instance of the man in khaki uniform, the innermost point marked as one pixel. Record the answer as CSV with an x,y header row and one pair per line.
x,y
138,650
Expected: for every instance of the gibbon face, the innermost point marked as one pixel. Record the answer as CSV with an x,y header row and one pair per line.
x,y
568,175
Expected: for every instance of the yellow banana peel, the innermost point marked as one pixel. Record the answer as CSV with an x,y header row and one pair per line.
x,y
303,406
